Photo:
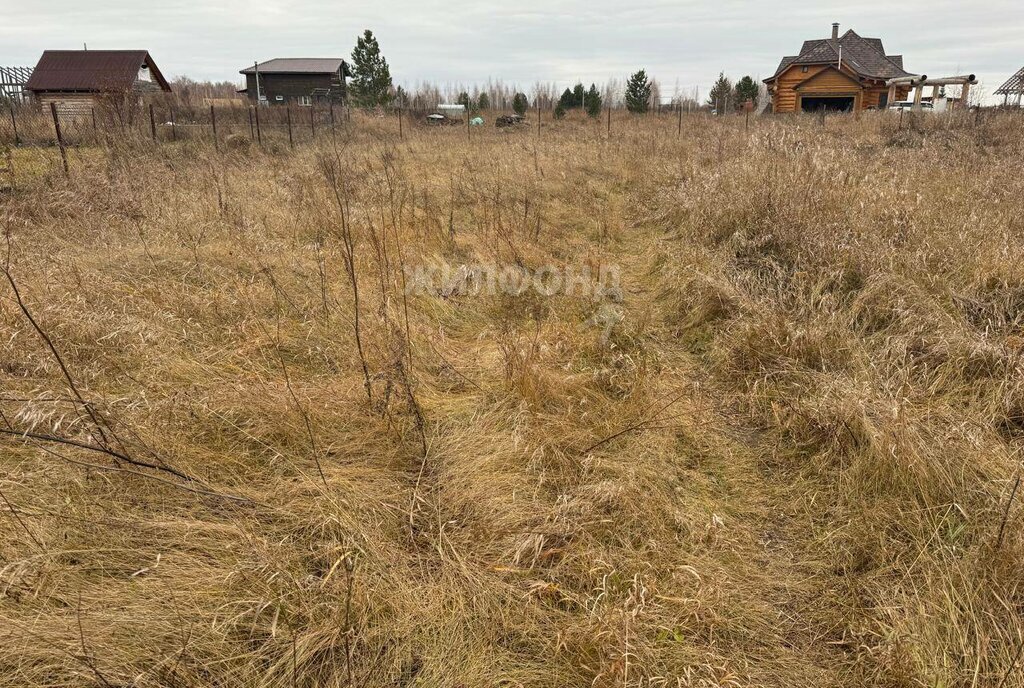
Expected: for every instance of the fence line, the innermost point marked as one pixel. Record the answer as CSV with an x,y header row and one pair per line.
x,y
59,137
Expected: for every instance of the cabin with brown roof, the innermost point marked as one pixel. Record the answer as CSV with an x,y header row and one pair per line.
x,y
299,80
843,73
82,77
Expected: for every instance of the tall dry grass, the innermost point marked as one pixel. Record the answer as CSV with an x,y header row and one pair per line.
x,y
237,452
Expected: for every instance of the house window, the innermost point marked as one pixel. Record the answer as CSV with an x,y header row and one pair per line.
x,y
804,69
306,100
279,99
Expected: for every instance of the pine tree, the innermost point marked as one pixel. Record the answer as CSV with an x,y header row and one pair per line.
x,y
464,100
638,92
371,78
720,97
746,89
565,101
592,100
578,96
520,103
483,102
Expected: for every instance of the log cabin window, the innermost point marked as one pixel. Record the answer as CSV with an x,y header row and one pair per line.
x,y
804,69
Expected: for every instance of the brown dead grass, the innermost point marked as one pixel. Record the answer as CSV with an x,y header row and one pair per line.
x,y
787,465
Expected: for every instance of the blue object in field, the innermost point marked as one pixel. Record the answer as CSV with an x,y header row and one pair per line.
x,y
477,121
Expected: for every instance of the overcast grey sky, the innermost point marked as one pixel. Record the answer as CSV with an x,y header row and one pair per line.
x,y
521,41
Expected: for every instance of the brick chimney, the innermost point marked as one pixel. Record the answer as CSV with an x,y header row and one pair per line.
x,y
835,29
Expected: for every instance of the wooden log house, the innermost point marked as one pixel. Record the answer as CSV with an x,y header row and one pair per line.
x,y
843,73
81,79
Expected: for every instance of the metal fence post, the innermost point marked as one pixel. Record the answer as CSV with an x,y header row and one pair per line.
x,y
213,123
152,123
259,133
60,138
14,123
291,141
252,132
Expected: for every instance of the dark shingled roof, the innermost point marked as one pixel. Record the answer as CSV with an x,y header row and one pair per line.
x,y
92,70
298,65
866,56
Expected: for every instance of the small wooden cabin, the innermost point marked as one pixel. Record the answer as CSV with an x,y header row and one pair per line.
x,y
298,80
841,73
81,78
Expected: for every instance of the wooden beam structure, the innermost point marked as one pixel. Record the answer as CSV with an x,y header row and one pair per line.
x,y
918,83
952,80
912,80
12,82
1014,86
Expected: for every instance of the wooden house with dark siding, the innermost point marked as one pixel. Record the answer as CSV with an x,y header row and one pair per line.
x,y
297,81
841,73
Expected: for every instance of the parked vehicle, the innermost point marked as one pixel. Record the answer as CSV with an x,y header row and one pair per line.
x,y
438,120
909,105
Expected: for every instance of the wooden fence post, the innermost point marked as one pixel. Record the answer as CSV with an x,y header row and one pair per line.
x,y
291,141
259,132
60,138
252,132
152,123
14,123
213,123
609,119
679,129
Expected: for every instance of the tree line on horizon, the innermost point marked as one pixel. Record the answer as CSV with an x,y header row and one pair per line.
x,y
371,86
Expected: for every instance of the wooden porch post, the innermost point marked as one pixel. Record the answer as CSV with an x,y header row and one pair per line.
x,y
964,95
918,92
892,95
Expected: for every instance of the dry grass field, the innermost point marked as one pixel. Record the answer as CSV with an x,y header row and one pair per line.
x,y
243,445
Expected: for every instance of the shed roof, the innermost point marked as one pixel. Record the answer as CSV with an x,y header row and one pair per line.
x,y
92,70
298,65
865,56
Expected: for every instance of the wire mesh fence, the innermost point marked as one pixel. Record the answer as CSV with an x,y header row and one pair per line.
x,y
39,139
43,140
